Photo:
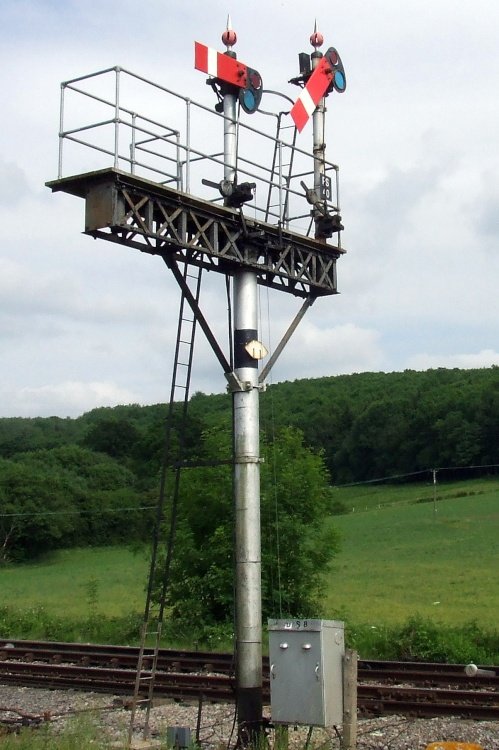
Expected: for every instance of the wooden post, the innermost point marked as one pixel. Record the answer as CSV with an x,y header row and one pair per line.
x,y
349,734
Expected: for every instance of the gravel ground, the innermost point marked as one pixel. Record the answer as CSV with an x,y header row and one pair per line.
x,y
386,733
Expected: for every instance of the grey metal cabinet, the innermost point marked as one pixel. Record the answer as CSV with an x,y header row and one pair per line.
x,y
306,671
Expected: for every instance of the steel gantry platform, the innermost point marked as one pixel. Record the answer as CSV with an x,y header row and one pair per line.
x,y
131,210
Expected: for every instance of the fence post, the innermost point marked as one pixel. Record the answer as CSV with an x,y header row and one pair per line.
x,y
349,734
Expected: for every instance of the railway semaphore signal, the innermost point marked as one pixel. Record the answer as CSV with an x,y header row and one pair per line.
x,y
227,70
165,215
320,75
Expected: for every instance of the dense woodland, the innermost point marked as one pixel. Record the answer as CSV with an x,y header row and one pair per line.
x,y
95,479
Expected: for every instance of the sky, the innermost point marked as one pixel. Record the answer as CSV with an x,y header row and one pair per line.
x,y
87,323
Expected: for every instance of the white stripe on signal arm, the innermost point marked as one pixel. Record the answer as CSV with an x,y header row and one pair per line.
x,y
212,62
308,102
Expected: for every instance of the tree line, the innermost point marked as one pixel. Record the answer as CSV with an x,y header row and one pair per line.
x,y
105,490
367,425
95,479
375,425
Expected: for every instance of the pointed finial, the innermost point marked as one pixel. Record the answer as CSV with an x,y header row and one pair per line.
x,y
316,39
229,37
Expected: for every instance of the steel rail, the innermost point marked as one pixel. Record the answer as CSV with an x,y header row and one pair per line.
x,y
187,675
108,655
372,699
370,670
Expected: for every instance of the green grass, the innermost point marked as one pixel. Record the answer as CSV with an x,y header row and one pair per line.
x,y
366,497
402,555
399,559
80,732
79,582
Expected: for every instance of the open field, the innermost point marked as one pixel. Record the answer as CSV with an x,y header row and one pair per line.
x,y
79,582
401,557
372,495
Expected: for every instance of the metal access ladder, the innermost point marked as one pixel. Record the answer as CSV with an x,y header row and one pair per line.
x,y
280,175
160,565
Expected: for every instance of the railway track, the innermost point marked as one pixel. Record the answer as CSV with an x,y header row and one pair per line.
x,y
417,689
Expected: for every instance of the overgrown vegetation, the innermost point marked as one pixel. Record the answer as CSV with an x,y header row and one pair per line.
x,y
420,639
297,546
36,623
70,495
93,481
77,734
416,639
65,496
80,732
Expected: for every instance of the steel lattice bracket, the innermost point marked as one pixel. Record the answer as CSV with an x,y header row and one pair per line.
x,y
132,211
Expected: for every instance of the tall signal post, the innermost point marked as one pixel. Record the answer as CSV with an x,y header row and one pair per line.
x,y
246,425
161,218
319,147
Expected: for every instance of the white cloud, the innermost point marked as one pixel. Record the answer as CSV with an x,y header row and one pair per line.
x,y
416,136
57,298
13,183
68,399
314,351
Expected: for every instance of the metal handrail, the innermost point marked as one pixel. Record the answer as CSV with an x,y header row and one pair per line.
x,y
176,144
